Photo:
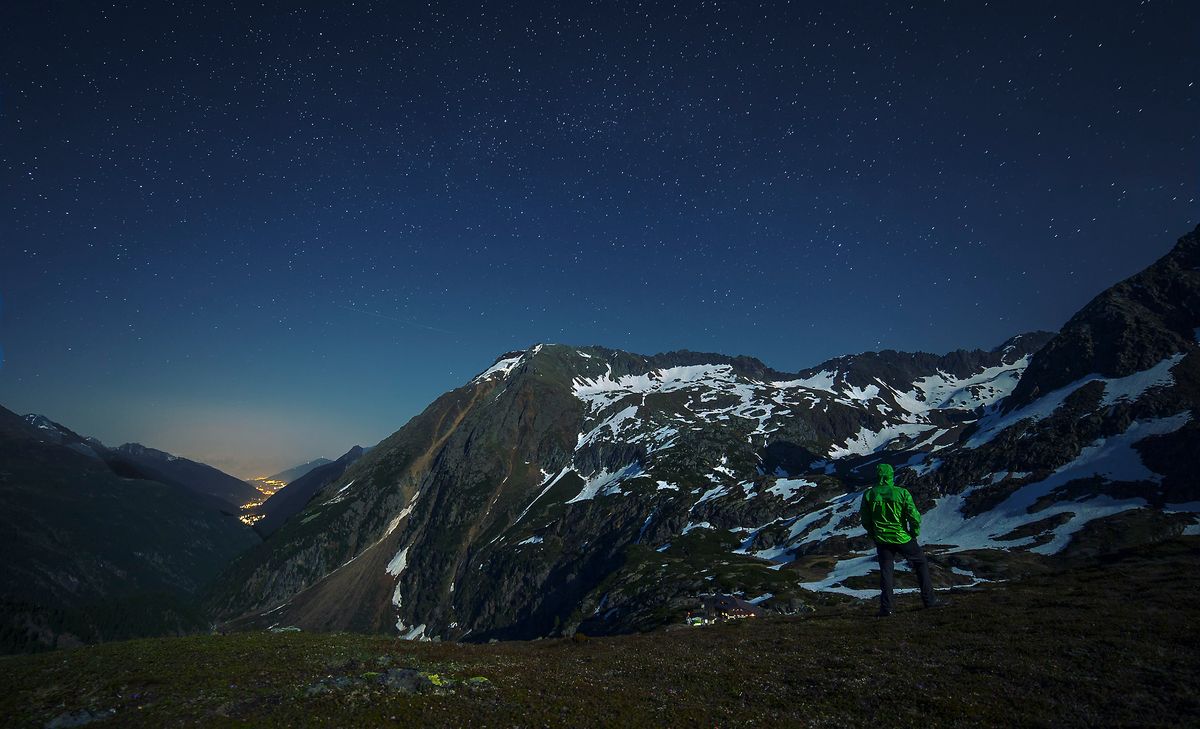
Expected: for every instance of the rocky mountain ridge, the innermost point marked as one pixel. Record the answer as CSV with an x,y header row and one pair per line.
x,y
586,488
295,472
134,460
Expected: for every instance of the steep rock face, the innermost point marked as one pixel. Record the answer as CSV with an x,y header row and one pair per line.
x,y
1129,328
338,525
90,555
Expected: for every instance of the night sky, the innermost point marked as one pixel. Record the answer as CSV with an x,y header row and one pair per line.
x,y
255,234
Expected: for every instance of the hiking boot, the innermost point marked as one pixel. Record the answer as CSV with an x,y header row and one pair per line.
x,y
883,613
937,603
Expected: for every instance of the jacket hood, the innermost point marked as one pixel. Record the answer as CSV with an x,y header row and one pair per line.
x,y
887,476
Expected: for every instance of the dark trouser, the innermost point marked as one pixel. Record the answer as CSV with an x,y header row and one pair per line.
x,y
911,551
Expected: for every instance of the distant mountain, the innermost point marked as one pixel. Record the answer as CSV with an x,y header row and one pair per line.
x,y
134,460
582,487
295,472
91,555
291,500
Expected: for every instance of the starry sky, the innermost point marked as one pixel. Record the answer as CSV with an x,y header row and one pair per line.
x,y
257,233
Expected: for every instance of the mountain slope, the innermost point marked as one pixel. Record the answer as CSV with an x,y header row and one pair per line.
x,y
134,460
579,486
470,458
295,472
89,555
1130,327
291,500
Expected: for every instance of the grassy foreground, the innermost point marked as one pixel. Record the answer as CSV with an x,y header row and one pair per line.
x,y
1113,644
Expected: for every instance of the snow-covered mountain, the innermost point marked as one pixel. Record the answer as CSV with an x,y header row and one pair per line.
x,y
581,487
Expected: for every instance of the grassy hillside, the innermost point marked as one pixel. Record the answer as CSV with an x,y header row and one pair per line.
x,y
1115,643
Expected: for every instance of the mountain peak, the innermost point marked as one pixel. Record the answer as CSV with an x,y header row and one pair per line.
x,y
1187,247
137,449
1128,328
54,431
352,455
1027,343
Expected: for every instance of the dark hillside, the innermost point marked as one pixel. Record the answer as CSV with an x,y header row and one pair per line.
x,y
1109,644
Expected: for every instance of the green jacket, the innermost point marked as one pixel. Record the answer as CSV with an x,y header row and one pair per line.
x,y
887,510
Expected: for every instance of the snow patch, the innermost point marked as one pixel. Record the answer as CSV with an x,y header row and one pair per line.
x,y
1113,459
715,492
786,488
845,569
614,424
500,369
866,442
1115,390
1190,507
398,563
340,495
548,484
417,633
823,381
606,483
944,390
403,513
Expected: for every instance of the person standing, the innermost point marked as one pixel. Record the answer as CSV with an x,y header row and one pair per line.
x,y
891,519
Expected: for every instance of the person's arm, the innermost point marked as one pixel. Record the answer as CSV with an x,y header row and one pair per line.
x,y
864,515
911,516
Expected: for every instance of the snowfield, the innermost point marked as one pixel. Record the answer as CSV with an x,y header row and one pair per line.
x,y
1115,390
613,403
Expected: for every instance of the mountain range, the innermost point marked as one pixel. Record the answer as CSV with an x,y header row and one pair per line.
x,y
582,488
134,460
102,544
291,474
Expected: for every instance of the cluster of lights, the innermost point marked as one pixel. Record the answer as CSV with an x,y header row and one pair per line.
x,y
266,488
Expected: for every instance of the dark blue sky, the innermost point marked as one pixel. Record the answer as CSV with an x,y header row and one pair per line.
x,y
255,234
